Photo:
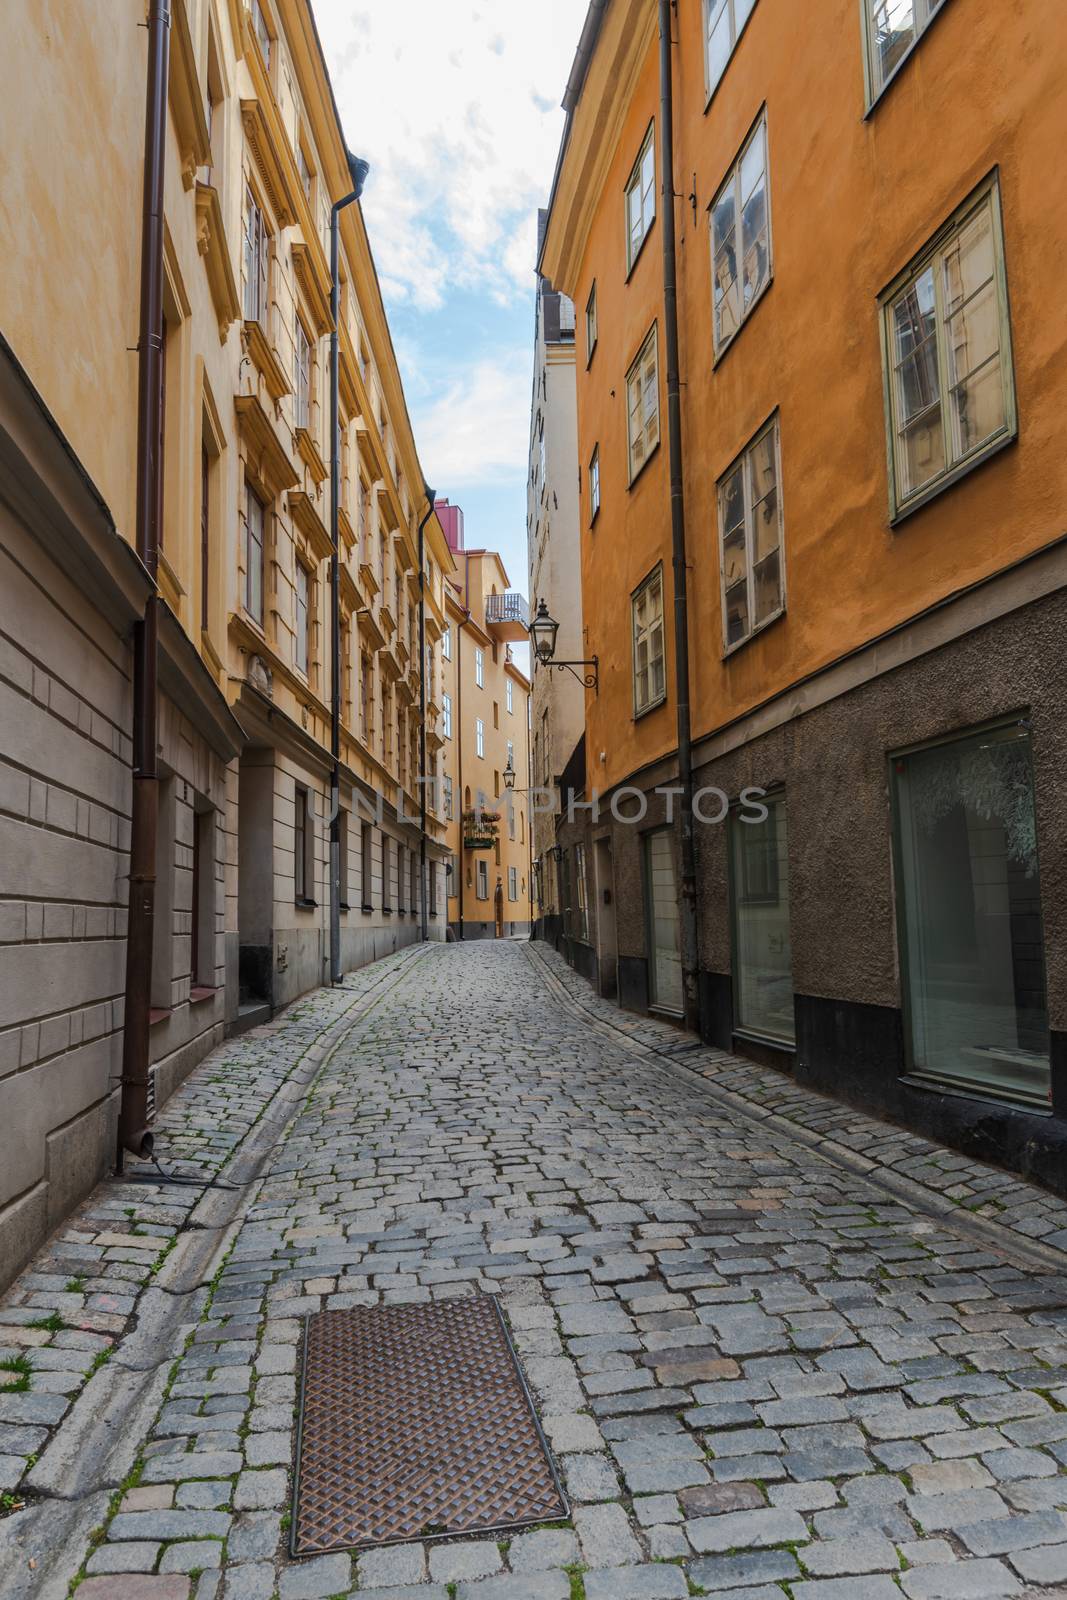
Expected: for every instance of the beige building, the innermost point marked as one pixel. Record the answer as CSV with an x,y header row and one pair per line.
x,y
485,721
254,158
553,540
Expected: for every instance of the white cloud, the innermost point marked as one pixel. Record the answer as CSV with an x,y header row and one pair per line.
x,y
476,429
456,106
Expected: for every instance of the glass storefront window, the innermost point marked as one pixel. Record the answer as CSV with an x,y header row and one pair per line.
x,y
973,958
763,964
661,902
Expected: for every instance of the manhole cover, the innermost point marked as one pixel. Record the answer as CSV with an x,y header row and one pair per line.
x,y
416,1423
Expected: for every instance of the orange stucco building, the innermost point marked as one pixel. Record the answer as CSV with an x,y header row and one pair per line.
x,y
870,223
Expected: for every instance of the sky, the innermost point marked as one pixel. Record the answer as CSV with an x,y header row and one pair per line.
x,y
456,105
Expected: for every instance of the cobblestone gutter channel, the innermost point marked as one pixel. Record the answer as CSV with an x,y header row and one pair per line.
x,y
87,1332
763,1376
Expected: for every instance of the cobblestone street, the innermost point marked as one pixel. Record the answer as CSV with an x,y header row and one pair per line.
x,y
777,1348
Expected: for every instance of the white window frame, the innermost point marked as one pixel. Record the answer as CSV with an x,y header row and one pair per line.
x,y
446,715
446,645
509,697
256,247
448,797
713,10
741,463
637,383
732,182
594,485
479,668
591,331
479,737
924,13
645,632
302,606
513,883
481,885
640,189
958,460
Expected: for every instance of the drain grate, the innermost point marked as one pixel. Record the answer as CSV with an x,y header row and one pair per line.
x,y
416,1423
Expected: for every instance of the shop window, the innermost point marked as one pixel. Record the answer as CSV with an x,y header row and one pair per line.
x,y
665,987
969,922
759,893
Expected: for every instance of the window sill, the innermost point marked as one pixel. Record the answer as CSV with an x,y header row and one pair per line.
x,y
652,454
754,633
653,705
969,464
769,1041
159,1014
302,903
366,910
201,992
720,356
631,269
982,1093
344,906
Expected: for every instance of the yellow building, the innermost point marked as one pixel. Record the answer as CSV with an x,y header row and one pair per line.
x,y
486,715
254,157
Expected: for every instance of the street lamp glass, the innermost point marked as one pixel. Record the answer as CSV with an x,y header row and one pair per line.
x,y
509,774
543,630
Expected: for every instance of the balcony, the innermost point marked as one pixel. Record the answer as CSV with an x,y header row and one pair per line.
x,y
507,616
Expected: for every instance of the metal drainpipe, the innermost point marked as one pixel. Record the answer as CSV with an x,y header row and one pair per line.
x,y
358,170
459,725
133,1132
424,923
688,905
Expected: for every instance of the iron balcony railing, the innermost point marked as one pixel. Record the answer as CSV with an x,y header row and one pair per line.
x,y
510,607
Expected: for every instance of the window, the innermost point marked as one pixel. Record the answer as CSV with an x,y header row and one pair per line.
x,y
892,28
342,857
260,29
256,258
305,172
496,714
641,198
479,669
413,893
303,849
511,755
255,518
446,644
509,697
366,865
581,895
750,534
449,799
446,714
948,355
511,815
513,883
542,464
724,22
665,984
303,623
970,927
741,238
479,737
205,536
401,855
364,695
433,888
202,917
594,485
649,682
482,889
303,376
546,770
387,873
642,405
590,324
759,894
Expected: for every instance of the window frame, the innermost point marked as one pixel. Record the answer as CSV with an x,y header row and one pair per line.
x,y
446,644
656,575
303,848
710,89
481,875
733,176
985,193
479,668
593,470
255,249
592,331
479,738
366,866
446,715
302,619
303,375
634,180
872,93
509,697
772,424
650,338
251,497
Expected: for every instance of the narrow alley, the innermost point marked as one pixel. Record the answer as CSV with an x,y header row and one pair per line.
x,y
776,1348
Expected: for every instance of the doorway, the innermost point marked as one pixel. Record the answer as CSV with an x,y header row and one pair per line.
x,y
661,909
607,944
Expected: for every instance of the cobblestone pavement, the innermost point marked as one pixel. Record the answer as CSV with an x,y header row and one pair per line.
x,y
763,1372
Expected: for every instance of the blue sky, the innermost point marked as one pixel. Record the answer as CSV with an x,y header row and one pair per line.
x,y
456,105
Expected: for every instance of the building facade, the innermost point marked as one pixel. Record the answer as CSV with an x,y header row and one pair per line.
x,y
254,158
554,558
485,722
874,552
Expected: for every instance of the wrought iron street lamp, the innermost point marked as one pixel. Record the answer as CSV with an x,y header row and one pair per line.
x,y
543,631
509,773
